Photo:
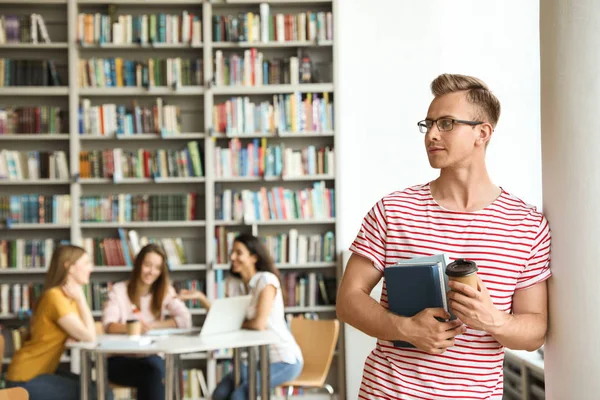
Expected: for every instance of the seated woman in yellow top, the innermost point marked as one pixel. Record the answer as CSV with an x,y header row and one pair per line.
x,y
62,312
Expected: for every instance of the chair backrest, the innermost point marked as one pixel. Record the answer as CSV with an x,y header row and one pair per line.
x,y
14,394
317,340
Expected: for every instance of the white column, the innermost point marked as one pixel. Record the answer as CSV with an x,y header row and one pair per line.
x,y
570,104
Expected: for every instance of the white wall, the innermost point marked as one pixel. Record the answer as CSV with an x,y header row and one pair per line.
x,y
386,59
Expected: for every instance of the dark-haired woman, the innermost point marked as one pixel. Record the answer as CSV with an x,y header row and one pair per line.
x,y
251,262
149,298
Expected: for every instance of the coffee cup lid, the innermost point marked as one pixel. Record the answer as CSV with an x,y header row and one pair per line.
x,y
461,267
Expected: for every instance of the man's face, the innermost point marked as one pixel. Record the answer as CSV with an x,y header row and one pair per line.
x,y
453,148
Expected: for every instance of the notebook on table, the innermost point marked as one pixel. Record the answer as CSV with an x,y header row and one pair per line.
x,y
416,284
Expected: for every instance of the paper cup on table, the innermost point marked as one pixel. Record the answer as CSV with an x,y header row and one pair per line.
x,y
134,328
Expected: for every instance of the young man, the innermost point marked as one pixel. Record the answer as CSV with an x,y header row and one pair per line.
x,y
463,214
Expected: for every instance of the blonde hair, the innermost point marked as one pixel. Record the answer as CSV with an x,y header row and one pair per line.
x,y
62,259
478,93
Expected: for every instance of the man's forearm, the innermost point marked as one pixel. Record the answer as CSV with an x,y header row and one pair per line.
x,y
521,331
365,314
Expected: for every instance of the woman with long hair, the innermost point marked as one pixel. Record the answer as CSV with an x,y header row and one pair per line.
x,y
252,263
149,298
61,312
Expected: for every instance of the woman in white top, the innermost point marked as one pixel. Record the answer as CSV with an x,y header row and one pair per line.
x,y
251,262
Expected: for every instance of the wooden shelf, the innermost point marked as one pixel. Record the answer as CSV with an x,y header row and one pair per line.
x,y
122,268
266,45
241,179
278,222
135,181
15,226
33,46
282,135
138,91
142,224
142,2
34,91
144,136
24,271
34,182
272,89
34,136
138,46
308,265
316,309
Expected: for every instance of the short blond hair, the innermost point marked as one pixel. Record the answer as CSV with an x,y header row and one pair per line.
x,y
478,93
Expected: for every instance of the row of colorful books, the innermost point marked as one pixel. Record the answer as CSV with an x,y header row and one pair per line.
x,y
286,113
141,163
278,27
184,28
114,119
276,203
118,72
260,159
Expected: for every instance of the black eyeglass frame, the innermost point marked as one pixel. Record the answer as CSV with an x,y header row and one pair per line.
x,y
421,124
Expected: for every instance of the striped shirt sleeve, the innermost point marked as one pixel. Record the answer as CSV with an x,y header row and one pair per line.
x,y
538,264
371,238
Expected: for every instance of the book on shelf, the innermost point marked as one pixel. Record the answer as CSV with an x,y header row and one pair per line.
x,y
289,247
23,29
115,119
276,203
253,69
295,248
193,384
309,290
155,72
36,209
20,166
141,163
42,119
124,207
185,28
14,337
26,254
278,27
19,298
260,159
287,112
28,73
121,251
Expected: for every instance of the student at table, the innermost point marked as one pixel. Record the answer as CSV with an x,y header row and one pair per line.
x,y
62,312
251,262
148,297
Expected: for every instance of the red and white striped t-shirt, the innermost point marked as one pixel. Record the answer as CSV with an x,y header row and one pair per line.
x,y
510,242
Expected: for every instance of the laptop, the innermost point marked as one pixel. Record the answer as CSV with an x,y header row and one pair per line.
x,y
225,315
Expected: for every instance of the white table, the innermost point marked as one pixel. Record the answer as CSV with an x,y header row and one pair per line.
x,y
172,347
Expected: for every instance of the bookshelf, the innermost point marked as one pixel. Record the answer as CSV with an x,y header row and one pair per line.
x,y
195,107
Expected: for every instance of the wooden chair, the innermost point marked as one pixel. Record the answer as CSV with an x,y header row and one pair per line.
x,y
17,393
2,345
317,340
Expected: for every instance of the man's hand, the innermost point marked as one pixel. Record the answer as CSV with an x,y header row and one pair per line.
x,y
426,333
475,307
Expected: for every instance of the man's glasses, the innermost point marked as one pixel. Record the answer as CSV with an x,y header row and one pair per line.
x,y
444,124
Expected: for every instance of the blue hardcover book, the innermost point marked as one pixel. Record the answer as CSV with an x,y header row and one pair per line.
x,y
414,285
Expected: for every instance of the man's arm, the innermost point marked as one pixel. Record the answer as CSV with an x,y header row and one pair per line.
x,y
354,304
356,307
524,329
